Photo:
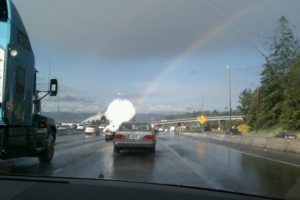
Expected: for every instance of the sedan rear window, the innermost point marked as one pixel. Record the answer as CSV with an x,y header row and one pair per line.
x,y
135,127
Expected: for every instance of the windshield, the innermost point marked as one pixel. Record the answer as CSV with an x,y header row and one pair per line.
x,y
3,10
214,84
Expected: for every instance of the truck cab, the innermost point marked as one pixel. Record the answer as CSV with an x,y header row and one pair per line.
x,y
23,131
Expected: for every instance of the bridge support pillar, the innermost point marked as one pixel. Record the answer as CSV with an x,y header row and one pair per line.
x,y
221,125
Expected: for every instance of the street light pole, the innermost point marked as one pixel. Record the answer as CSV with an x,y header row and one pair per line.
x,y
58,114
257,108
229,91
202,105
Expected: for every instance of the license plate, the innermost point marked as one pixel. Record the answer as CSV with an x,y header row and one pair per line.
x,y
134,137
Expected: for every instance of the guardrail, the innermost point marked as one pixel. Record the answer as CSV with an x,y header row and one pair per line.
x,y
280,144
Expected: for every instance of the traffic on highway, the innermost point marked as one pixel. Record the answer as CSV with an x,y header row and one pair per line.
x,y
149,99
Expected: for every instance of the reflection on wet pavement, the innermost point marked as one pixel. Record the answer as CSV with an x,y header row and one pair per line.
x,y
178,160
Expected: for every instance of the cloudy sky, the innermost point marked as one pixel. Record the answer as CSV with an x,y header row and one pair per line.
x,y
164,56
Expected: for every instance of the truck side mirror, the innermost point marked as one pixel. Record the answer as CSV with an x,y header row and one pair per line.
x,y
53,87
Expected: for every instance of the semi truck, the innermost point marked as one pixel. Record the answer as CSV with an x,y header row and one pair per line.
x,y
24,132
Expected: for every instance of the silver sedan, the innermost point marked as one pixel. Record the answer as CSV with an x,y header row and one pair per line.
x,y
133,135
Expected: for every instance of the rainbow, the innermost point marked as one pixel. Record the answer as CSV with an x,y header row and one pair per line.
x,y
191,48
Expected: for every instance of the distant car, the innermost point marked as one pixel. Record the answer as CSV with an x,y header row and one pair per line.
x,y
172,128
286,135
101,128
80,127
63,127
233,131
133,135
207,128
109,131
73,126
109,135
91,129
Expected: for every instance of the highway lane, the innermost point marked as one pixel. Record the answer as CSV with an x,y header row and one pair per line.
x,y
178,160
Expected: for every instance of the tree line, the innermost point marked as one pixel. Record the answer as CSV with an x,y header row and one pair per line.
x,y
276,101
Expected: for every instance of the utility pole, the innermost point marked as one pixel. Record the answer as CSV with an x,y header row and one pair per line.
x,y
202,105
58,116
257,108
49,72
229,91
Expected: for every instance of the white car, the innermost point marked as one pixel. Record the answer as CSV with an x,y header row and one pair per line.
x,y
109,131
63,127
91,129
101,128
80,127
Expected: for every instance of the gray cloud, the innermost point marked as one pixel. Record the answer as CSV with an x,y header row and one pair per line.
x,y
134,28
71,104
122,28
138,29
73,99
70,99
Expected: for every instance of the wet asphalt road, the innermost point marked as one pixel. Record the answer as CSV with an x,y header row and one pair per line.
x,y
179,160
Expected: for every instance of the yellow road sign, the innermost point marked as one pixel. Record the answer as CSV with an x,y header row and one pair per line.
x,y
201,119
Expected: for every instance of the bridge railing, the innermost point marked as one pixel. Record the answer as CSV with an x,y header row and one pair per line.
x,y
187,120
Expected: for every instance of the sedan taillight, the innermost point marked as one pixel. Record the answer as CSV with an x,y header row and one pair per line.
x,y
119,136
149,137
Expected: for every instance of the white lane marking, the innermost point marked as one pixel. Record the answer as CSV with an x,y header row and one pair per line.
x,y
103,149
57,170
274,160
258,156
72,148
78,142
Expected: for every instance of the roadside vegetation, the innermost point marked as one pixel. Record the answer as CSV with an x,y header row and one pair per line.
x,y
274,105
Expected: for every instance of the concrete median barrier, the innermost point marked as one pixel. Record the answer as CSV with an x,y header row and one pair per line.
x,y
293,146
259,141
278,144
219,137
232,138
245,140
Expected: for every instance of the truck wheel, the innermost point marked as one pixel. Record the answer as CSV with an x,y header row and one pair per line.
x,y
47,155
116,150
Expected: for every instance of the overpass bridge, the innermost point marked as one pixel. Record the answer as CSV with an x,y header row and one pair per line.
x,y
188,120
194,121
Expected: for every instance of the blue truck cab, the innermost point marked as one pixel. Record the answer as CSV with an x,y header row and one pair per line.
x,y
23,131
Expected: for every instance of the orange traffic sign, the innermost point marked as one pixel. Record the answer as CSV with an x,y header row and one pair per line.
x,y
202,119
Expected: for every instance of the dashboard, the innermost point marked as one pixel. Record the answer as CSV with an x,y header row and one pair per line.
x,y
18,187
